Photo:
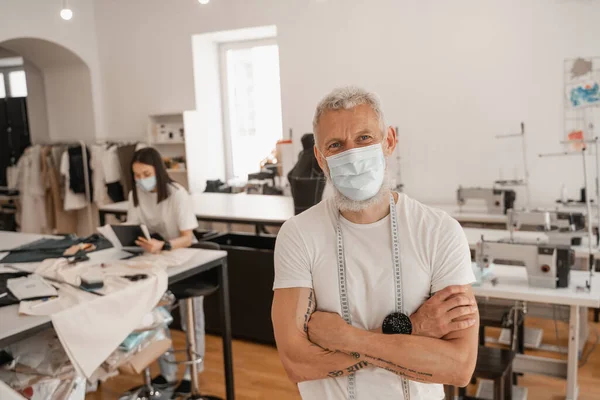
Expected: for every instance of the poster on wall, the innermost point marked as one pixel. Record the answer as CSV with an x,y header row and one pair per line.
x,y
584,94
581,101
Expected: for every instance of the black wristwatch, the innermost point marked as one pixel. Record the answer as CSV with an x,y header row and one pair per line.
x,y
397,323
167,245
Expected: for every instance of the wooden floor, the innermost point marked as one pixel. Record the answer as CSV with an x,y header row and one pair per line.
x,y
259,374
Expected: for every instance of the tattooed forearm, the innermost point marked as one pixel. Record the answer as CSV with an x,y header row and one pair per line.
x,y
349,370
309,310
400,370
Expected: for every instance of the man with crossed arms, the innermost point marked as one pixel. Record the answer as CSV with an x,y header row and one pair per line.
x,y
372,288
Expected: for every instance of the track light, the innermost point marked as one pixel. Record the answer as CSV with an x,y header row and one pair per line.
x,y
66,13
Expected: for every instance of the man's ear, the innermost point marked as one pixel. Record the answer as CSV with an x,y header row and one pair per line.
x,y
391,141
322,162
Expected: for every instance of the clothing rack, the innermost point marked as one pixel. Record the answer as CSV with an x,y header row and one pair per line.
x,y
86,178
111,143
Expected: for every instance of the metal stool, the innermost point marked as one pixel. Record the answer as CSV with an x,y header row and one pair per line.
x,y
147,391
187,290
144,392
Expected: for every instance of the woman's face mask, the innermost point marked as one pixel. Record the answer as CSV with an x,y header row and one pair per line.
x,y
147,184
145,176
358,173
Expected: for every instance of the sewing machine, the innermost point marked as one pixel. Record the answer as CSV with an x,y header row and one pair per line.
x,y
562,227
548,266
497,201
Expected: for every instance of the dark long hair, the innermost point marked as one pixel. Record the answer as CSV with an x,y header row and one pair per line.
x,y
150,156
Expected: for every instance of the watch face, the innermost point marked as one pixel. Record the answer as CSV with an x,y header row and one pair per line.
x,y
397,323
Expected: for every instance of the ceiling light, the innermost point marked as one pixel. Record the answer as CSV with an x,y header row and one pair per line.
x,y
203,1
66,13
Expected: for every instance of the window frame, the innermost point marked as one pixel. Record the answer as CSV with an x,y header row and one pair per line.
x,y
227,134
5,71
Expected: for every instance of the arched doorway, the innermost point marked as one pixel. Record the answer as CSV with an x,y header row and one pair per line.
x,y
60,100
57,105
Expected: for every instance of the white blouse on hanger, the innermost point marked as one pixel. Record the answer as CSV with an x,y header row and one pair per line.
x,y
73,201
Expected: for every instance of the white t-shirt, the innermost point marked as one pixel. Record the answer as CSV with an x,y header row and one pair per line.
x,y
434,254
167,218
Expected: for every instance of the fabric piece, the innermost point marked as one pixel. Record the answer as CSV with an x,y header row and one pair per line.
x,y
115,191
64,221
32,209
125,154
434,254
72,200
167,218
44,370
98,180
44,249
168,370
81,318
77,166
48,199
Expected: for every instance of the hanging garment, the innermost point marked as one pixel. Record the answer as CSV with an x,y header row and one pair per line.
x,y
98,179
64,221
111,164
48,199
77,165
31,192
125,157
73,201
115,191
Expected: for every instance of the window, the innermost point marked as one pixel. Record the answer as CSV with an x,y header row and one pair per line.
x,y
12,82
251,102
17,84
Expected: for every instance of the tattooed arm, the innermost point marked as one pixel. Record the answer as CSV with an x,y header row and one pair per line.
x,y
303,360
449,360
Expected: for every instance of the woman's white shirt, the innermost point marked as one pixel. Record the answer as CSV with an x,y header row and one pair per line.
x,y
167,218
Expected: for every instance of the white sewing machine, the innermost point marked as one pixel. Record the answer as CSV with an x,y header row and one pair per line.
x,y
562,227
548,266
497,201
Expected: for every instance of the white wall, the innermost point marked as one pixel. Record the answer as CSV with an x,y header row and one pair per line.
x,y
37,110
40,19
451,74
70,108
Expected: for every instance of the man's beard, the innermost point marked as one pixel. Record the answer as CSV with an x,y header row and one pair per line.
x,y
344,203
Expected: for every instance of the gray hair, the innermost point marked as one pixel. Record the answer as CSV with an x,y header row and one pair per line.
x,y
348,97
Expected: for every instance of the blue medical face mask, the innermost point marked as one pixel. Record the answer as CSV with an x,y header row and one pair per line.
x,y
358,173
147,184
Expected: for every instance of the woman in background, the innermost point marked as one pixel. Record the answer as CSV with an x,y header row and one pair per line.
x,y
166,208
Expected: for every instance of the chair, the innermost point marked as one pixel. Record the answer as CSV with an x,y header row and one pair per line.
x,y
500,316
186,290
306,192
496,365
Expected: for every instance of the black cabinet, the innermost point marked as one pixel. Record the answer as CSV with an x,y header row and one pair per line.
x,y
14,132
251,274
